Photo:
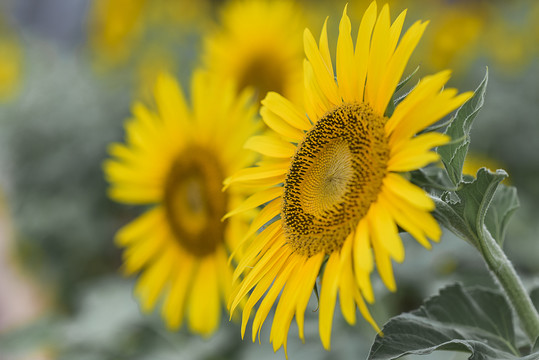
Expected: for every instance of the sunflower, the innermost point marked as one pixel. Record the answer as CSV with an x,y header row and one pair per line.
x,y
175,160
259,45
333,178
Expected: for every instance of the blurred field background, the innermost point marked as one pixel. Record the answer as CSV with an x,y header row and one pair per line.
x,y
69,71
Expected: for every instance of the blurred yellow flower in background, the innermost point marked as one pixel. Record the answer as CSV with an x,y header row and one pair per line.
x,y
11,60
259,44
175,160
455,35
114,28
331,172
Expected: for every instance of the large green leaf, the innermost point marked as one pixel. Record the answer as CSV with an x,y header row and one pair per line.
x,y
464,211
396,100
454,153
534,295
474,320
504,204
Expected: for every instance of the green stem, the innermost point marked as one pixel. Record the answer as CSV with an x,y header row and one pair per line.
x,y
506,275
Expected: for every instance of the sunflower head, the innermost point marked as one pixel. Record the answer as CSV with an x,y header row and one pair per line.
x,y
258,45
332,172
174,160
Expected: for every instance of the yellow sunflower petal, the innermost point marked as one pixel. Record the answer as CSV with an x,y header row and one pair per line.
x,y
256,199
362,51
324,45
404,221
310,271
139,227
141,252
412,151
347,286
171,103
316,102
260,173
324,75
346,72
408,191
385,231
181,278
416,215
151,283
328,297
383,263
397,63
287,111
271,296
270,146
378,57
204,308
280,126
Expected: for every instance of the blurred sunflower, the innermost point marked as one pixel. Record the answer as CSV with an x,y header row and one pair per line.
x,y
456,35
259,45
114,27
175,160
10,63
119,28
332,179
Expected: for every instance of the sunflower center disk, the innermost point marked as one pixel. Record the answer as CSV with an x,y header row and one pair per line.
x,y
194,202
334,177
265,74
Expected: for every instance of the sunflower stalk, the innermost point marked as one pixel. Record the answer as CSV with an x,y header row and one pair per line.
x,y
503,271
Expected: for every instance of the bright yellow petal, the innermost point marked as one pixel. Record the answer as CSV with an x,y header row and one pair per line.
x,y
152,281
135,195
171,103
257,199
346,71
287,111
268,301
404,221
324,75
328,297
408,191
259,173
398,62
378,57
310,271
362,51
416,215
316,103
280,126
266,236
204,301
347,285
385,231
383,263
141,252
324,45
140,227
363,261
270,146
181,277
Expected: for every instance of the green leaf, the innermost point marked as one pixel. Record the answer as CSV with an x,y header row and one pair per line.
x,y
406,80
534,295
503,206
474,320
454,153
464,211
431,178
395,101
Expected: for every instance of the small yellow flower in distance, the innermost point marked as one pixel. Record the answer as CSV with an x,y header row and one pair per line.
x,y
331,177
259,45
175,160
